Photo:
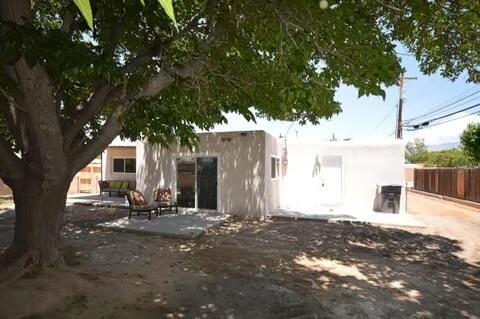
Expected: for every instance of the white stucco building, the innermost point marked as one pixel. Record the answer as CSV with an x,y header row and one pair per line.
x,y
252,173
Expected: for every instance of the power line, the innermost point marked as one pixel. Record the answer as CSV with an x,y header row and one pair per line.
x,y
451,108
383,120
451,105
429,122
443,122
454,119
458,105
289,128
446,104
456,112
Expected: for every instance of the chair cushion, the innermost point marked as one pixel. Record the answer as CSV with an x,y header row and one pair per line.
x,y
115,184
138,198
125,185
163,195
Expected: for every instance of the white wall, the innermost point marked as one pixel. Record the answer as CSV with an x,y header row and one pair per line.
x,y
273,147
245,184
365,165
241,160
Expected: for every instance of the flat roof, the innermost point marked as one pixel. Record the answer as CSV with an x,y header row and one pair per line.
x,y
352,142
232,132
118,142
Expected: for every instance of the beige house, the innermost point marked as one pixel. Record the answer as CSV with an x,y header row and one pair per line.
x,y
252,173
86,180
234,172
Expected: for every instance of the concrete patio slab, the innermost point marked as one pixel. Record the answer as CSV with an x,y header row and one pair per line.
x,y
371,217
186,225
97,201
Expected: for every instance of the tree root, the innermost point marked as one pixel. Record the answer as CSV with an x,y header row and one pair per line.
x,y
13,268
20,267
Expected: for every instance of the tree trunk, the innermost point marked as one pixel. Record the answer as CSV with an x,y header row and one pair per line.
x,y
39,208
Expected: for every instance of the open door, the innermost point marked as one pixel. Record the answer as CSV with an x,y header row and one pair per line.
x,y
186,182
207,182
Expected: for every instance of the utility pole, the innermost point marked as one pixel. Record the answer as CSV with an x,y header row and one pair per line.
x,y
398,129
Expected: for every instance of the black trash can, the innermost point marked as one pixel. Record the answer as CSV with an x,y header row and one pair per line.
x,y
390,198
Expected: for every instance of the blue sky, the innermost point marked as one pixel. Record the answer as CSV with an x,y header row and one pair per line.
x,y
361,116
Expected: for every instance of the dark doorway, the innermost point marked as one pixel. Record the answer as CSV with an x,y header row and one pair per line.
x,y
207,182
186,182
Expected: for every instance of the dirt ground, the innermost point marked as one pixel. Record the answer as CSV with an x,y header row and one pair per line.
x,y
251,269
450,220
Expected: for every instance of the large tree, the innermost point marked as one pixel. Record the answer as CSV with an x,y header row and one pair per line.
x,y
66,91
470,139
416,151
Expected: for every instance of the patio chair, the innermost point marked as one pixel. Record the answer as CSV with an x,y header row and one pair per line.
x,y
163,199
137,203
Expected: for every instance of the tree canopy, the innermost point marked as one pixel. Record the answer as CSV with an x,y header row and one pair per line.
x,y
470,139
416,151
276,59
464,156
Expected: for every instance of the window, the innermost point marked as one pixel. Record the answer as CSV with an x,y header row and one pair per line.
x,y
124,165
130,165
275,167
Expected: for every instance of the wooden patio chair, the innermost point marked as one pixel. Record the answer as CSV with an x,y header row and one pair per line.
x,y
137,203
163,199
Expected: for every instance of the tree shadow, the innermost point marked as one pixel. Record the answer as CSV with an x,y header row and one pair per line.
x,y
357,270
275,269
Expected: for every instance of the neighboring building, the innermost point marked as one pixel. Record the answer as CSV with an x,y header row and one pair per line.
x,y
86,180
4,189
409,173
254,174
119,161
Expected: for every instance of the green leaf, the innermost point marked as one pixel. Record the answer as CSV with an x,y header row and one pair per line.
x,y
142,2
86,10
168,7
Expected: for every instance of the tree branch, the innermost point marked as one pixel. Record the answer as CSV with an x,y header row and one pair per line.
x,y
94,147
102,94
146,57
81,156
166,78
14,117
68,19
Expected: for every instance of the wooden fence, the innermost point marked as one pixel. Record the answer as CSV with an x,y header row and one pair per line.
x,y
463,183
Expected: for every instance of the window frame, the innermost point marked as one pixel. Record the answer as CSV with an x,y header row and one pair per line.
x,y
274,167
124,165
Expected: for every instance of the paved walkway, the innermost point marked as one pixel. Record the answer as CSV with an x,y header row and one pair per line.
x,y
187,225
96,200
370,217
448,219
